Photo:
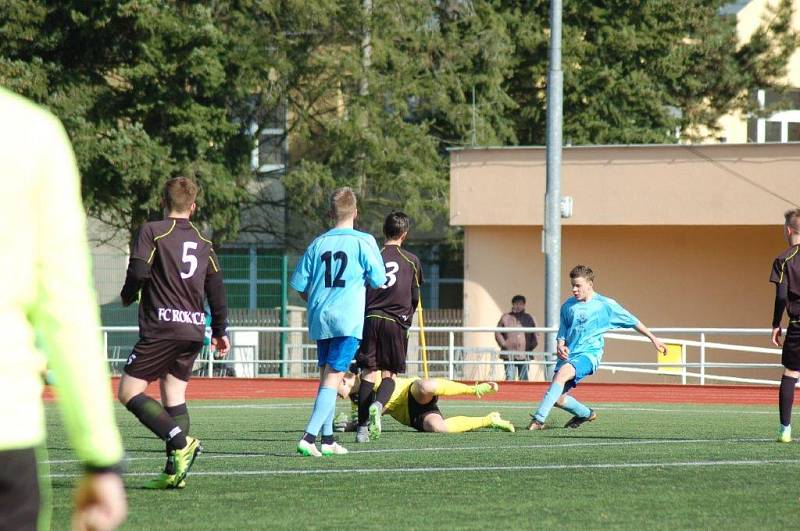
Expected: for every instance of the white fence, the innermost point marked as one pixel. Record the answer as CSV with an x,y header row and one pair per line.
x,y
450,360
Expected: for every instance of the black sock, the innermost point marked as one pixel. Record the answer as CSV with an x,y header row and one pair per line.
x,y
307,437
327,439
385,390
786,399
365,398
154,416
180,414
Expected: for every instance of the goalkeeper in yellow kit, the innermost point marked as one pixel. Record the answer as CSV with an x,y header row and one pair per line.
x,y
414,403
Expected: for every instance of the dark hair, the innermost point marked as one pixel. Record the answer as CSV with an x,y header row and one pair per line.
x,y
179,194
582,271
397,223
518,298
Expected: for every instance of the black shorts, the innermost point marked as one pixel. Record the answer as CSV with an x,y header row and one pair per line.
x,y
152,359
417,412
20,498
790,357
383,346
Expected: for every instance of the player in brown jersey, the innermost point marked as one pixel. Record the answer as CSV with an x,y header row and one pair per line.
x,y
389,312
786,277
172,268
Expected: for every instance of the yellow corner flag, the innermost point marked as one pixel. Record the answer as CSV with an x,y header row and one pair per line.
x,y
674,354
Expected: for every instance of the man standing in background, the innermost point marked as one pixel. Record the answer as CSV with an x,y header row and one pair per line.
x,y
515,346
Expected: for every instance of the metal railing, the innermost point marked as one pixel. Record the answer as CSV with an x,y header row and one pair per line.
x,y
449,359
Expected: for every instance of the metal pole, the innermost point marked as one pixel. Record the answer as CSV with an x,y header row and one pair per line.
x,y
702,359
284,304
451,343
474,122
552,207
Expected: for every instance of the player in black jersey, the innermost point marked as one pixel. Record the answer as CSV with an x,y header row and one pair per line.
x,y
172,268
389,312
786,277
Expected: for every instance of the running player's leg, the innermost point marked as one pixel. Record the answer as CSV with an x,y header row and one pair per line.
x,y
149,412
790,359
785,402
334,357
565,374
366,361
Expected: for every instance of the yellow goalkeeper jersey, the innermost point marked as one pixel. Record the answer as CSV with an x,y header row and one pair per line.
x,y
47,305
397,406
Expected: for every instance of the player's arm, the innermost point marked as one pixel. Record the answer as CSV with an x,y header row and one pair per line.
x,y
416,285
561,336
642,329
781,300
218,304
65,316
500,337
301,278
138,267
533,341
372,262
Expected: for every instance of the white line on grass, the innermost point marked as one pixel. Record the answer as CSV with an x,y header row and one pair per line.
x,y
428,470
490,405
463,448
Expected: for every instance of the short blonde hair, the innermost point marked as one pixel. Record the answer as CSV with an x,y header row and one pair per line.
x,y
179,194
792,218
343,203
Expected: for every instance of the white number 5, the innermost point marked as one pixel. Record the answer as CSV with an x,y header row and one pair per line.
x,y
189,259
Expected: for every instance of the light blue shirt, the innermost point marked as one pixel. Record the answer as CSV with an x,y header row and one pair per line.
x,y
334,271
584,323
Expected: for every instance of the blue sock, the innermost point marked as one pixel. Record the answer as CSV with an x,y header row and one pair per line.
x,y
549,400
576,408
327,426
325,403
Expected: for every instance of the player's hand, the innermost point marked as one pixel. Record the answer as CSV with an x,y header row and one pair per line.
x,y
100,503
660,347
776,337
220,346
562,352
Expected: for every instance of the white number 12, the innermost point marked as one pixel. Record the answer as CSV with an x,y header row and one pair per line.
x,y
189,259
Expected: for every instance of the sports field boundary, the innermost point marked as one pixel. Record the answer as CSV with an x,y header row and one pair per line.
x,y
263,388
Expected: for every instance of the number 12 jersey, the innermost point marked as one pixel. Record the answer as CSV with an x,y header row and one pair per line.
x,y
333,273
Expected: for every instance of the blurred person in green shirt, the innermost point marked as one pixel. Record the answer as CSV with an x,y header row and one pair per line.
x,y
50,319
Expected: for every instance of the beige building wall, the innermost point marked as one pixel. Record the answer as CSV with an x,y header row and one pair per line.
x,y
681,237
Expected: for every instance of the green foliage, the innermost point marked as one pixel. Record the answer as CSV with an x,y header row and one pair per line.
x,y
142,89
375,92
634,71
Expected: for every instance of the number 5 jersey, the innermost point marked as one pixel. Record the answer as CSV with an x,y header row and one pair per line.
x,y
174,268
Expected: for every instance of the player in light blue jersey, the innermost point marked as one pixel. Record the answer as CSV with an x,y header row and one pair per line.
x,y
585,317
332,277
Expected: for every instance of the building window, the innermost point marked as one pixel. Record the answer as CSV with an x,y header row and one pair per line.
x,y
783,125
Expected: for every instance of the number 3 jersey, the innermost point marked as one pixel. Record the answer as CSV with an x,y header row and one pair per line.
x,y
399,295
333,273
174,267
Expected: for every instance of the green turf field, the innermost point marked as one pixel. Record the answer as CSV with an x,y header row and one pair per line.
x,y
638,466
